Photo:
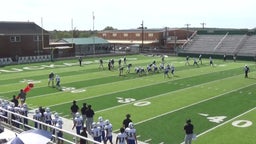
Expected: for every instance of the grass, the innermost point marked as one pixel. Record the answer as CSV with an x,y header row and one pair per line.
x,y
192,93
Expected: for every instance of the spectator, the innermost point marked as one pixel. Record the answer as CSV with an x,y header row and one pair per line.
x,y
89,115
188,131
74,109
15,101
127,121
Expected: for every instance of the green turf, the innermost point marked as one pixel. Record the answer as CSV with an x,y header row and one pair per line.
x,y
219,90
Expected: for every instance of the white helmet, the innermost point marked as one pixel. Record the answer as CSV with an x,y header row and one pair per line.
x,y
131,125
107,122
56,115
25,105
60,121
47,109
100,119
77,114
94,125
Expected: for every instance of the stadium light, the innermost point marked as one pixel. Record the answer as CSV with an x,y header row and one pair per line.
x,y
187,29
142,35
203,24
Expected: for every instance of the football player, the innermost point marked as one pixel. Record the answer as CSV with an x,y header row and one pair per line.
x,y
131,134
121,137
78,123
108,129
95,132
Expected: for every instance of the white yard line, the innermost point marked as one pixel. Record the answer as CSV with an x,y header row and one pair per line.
x,y
128,90
226,122
211,129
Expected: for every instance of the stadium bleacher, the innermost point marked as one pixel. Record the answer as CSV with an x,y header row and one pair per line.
x,y
249,47
241,45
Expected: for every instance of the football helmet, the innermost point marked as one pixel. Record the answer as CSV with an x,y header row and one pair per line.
x,y
100,119
131,125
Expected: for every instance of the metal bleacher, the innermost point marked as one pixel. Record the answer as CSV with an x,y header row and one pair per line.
x,y
203,44
249,47
242,45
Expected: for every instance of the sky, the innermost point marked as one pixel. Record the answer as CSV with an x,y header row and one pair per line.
x,y
129,14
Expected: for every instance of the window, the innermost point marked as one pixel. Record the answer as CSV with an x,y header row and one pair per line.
x,y
37,38
114,34
125,35
137,34
15,39
104,34
150,35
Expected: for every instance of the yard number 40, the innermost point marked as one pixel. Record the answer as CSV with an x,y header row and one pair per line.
x,y
237,123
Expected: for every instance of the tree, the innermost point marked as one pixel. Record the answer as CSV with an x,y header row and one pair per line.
x,y
109,28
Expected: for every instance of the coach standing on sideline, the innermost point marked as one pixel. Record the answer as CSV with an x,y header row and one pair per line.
x,y
89,115
189,132
127,121
74,109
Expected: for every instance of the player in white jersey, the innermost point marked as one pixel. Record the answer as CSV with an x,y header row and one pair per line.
x,y
24,112
37,116
121,137
55,121
47,117
57,79
108,129
131,134
59,133
95,132
101,124
78,123
172,68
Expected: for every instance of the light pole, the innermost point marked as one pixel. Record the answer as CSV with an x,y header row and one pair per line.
x,y
93,18
203,24
187,29
142,36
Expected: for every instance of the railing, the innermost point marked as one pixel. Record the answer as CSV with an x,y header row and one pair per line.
x,y
240,44
188,40
220,42
6,119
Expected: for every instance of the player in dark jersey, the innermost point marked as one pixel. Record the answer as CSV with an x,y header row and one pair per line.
x,y
51,79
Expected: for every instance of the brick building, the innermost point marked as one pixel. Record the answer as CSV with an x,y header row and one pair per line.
x,y
22,39
165,38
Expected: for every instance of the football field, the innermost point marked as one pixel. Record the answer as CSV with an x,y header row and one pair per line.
x,y
218,99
